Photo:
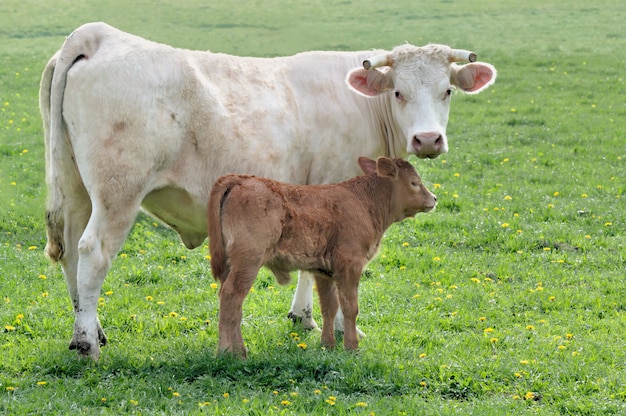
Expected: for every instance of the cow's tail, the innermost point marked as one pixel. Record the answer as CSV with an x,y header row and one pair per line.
x,y
61,171
217,247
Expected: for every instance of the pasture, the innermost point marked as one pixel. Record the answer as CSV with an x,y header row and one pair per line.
x,y
509,298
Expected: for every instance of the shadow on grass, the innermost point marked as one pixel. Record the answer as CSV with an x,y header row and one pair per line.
x,y
279,369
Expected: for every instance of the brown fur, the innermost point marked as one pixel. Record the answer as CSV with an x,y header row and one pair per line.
x,y
332,231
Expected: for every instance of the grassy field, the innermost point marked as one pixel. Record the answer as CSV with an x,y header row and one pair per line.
x,y
508,299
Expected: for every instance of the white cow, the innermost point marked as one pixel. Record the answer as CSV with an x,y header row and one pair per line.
x,y
133,124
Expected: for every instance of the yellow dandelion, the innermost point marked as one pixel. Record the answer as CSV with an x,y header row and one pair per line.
x,y
149,298
569,336
508,198
524,362
361,404
285,402
505,225
584,196
423,383
42,277
214,285
422,355
489,330
530,327
562,347
42,383
531,395
176,394
556,193
457,174
32,248
208,257
317,391
436,258
405,244
550,205
108,292
10,388
302,345
437,185
494,340
482,319
134,402
226,395
608,224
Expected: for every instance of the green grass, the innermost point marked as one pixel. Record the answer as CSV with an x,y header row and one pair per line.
x,y
508,299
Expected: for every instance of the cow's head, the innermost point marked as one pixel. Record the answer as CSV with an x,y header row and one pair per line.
x,y
419,82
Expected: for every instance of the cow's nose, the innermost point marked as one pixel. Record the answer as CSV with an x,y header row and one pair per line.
x,y
429,144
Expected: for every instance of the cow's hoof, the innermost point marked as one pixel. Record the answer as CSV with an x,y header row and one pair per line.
x,y
307,322
84,349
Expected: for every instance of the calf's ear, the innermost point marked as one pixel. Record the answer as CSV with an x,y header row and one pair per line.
x,y
473,78
368,166
369,83
387,168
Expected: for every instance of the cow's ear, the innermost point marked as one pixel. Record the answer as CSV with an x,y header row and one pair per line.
x,y
387,168
473,78
369,83
367,165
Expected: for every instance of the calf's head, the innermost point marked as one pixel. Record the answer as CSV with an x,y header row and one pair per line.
x,y
409,195
418,82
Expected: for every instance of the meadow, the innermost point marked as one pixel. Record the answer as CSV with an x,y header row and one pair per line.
x,y
509,298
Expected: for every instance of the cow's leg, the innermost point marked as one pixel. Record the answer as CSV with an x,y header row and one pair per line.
x,y
76,216
327,292
302,304
99,243
233,292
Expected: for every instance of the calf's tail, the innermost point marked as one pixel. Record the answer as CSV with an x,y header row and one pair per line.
x,y
217,248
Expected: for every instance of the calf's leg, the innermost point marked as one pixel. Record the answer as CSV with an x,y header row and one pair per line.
x,y
233,292
347,289
327,292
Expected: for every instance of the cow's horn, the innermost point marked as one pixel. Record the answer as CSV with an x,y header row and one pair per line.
x,y
379,60
460,55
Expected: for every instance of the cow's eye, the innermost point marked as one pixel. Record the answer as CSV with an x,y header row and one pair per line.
x,y
448,92
399,95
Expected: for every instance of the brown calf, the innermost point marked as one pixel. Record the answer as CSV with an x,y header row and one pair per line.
x,y
332,231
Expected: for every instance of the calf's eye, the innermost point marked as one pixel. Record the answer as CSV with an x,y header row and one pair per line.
x,y
399,95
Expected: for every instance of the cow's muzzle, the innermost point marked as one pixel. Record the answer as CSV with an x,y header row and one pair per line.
x,y
428,145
